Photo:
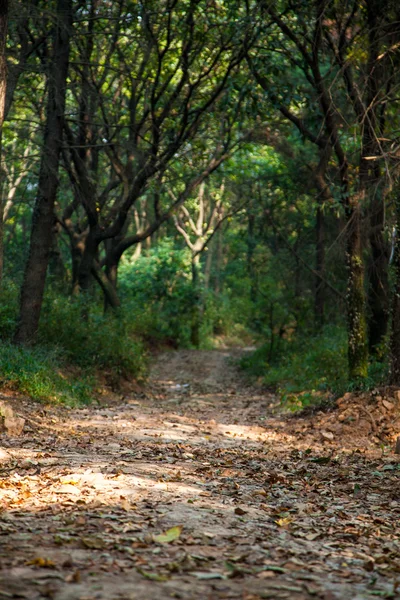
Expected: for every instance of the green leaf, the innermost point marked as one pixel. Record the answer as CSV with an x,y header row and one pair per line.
x,y
168,536
153,576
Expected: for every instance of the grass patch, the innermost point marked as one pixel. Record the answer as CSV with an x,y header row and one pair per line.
x,y
37,372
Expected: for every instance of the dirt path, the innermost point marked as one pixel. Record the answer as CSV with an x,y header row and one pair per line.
x,y
248,505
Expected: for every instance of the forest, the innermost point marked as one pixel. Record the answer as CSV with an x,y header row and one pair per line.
x,y
194,179
173,172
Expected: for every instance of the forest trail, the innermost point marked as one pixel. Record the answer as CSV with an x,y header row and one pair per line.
x,y
197,488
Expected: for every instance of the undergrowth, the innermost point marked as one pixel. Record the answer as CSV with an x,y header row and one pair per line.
x,y
308,372
72,350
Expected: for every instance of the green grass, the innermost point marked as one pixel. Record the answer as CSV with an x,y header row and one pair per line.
x,y
71,351
38,372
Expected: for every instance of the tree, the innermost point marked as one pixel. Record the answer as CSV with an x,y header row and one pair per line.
x,y
43,216
3,91
319,46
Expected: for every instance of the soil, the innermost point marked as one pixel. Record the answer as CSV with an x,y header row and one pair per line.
x,y
200,487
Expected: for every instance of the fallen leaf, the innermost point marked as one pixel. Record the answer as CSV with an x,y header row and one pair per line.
x,y
168,536
240,511
93,542
206,576
41,562
284,522
67,488
153,576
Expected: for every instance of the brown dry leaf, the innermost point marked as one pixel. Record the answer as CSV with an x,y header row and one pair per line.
x,y
41,562
240,511
284,522
67,488
14,425
95,543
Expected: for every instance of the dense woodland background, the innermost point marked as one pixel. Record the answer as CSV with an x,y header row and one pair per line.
x,y
198,172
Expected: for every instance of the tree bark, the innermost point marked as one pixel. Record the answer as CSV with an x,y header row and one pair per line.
x,y
378,289
251,246
3,90
196,315
395,305
357,325
319,305
43,216
324,196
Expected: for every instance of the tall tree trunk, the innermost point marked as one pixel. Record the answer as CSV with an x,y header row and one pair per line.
x,y
373,128
395,308
378,290
319,305
111,276
3,89
324,196
43,216
251,246
219,261
207,269
196,315
357,325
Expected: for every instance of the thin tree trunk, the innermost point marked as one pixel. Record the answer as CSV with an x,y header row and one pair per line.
x,y
196,316
111,299
319,306
378,290
395,333
324,195
3,90
208,265
43,215
251,246
219,261
357,325
373,128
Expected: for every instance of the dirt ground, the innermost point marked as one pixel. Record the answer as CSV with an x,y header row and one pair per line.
x,y
200,487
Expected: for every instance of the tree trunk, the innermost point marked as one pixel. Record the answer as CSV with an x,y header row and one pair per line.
x,y
251,246
219,261
373,129
196,315
324,196
111,299
395,333
43,215
319,306
3,89
357,326
87,262
378,290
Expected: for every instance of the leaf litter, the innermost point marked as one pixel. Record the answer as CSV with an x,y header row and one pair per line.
x,y
210,492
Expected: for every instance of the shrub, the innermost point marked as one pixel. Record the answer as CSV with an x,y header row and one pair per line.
x,y
157,290
107,342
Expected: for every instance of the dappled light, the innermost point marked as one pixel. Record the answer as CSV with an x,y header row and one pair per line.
x,y
242,496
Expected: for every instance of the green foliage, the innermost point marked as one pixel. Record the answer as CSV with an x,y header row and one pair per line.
x,y
104,342
99,343
157,290
8,308
38,372
309,371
